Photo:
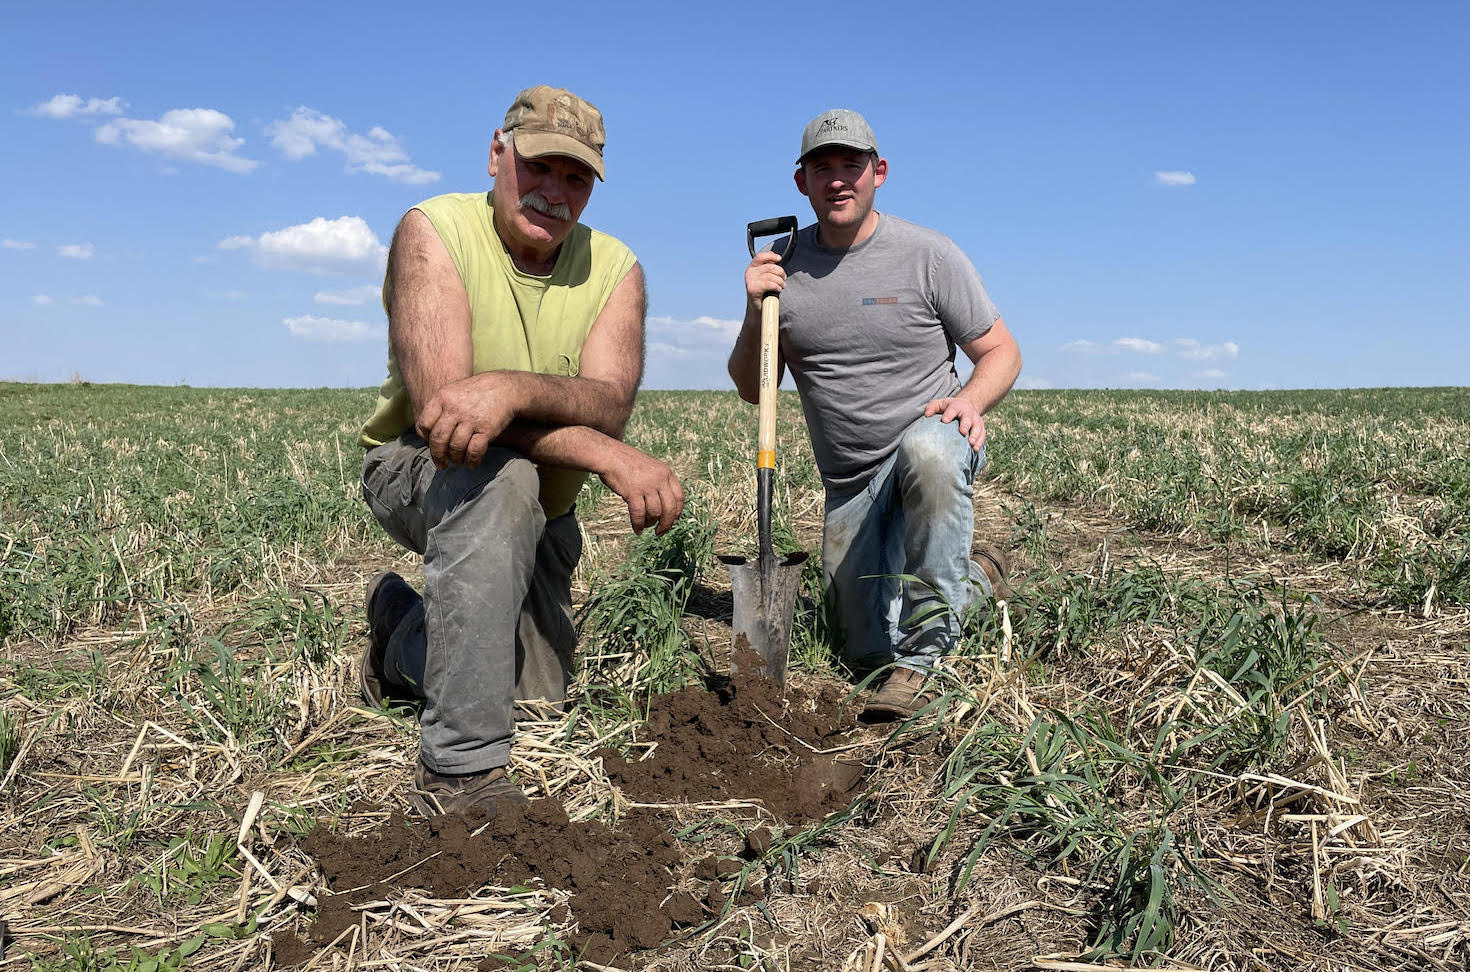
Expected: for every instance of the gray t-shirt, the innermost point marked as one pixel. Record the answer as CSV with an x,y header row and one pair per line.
x,y
869,334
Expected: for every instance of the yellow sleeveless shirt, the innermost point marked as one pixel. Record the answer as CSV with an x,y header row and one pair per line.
x,y
519,322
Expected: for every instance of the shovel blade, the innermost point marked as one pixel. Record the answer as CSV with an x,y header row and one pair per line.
x,y
765,601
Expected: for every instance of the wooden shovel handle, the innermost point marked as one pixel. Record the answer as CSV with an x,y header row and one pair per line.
x,y
765,456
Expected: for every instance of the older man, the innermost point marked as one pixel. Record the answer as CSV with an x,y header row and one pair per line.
x,y
515,347
872,309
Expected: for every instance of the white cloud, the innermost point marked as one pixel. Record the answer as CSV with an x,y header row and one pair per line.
x,y
41,299
1144,378
703,334
72,106
689,353
1026,381
352,296
193,134
17,245
330,330
1192,350
378,152
701,329
342,245
1136,345
77,251
1214,374
89,300
1174,177
298,136
709,337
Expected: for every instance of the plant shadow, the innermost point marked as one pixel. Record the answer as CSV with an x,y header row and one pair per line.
x,y
710,604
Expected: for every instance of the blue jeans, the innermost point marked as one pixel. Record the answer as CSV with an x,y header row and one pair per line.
x,y
915,517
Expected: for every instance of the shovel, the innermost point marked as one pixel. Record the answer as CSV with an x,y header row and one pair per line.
x,y
765,591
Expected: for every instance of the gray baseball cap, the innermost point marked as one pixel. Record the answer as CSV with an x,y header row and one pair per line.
x,y
840,126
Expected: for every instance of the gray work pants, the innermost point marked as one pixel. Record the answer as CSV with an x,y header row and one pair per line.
x,y
495,621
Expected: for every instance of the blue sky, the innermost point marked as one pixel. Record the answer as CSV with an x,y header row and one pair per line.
x,y
1242,195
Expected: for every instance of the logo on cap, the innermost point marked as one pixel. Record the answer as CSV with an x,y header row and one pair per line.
x,y
840,126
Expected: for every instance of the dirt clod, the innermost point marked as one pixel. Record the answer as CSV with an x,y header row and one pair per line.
x,y
757,842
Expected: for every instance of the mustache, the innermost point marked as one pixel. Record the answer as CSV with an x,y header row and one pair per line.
x,y
535,201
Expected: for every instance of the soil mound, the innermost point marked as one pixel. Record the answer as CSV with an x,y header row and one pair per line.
x,y
741,739
630,887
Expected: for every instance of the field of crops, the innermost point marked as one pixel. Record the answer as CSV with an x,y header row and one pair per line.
x,y
1222,723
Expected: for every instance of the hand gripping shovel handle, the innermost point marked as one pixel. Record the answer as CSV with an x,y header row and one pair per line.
x,y
765,456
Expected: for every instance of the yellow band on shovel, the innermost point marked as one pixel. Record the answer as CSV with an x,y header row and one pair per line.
x,y
765,459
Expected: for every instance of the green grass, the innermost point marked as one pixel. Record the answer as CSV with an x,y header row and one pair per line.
x,y
188,869
159,549
1373,476
114,495
11,729
637,611
80,955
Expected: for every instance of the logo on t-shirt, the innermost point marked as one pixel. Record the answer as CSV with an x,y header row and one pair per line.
x,y
870,301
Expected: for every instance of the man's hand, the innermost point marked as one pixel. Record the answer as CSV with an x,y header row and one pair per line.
x,y
464,417
972,423
764,276
649,487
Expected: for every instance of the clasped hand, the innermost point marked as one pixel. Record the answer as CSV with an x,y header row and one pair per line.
x,y
464,417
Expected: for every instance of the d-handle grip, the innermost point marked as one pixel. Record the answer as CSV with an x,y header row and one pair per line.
x,y
774,226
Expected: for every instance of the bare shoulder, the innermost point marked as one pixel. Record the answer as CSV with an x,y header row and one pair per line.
x,y
418,261
417,246
633,279
415,227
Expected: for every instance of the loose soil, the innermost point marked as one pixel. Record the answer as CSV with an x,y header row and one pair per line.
x,y
633,886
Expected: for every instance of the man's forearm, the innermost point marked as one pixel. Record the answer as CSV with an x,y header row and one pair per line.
x,y
992,378
554,400
562,446
745,361
649,487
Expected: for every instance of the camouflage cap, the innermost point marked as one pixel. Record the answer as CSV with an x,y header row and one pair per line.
x,y
840,126
553,121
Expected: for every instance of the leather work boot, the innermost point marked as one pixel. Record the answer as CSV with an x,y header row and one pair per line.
x,y
389,598
436,793
906,692
993,563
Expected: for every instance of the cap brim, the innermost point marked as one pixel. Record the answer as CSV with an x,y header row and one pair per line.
x,y
533,145
836,144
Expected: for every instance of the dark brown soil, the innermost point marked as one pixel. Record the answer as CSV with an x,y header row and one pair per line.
x,y
740,740
743,741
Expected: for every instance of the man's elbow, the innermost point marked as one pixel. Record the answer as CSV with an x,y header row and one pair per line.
x,y
617,409
747,390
